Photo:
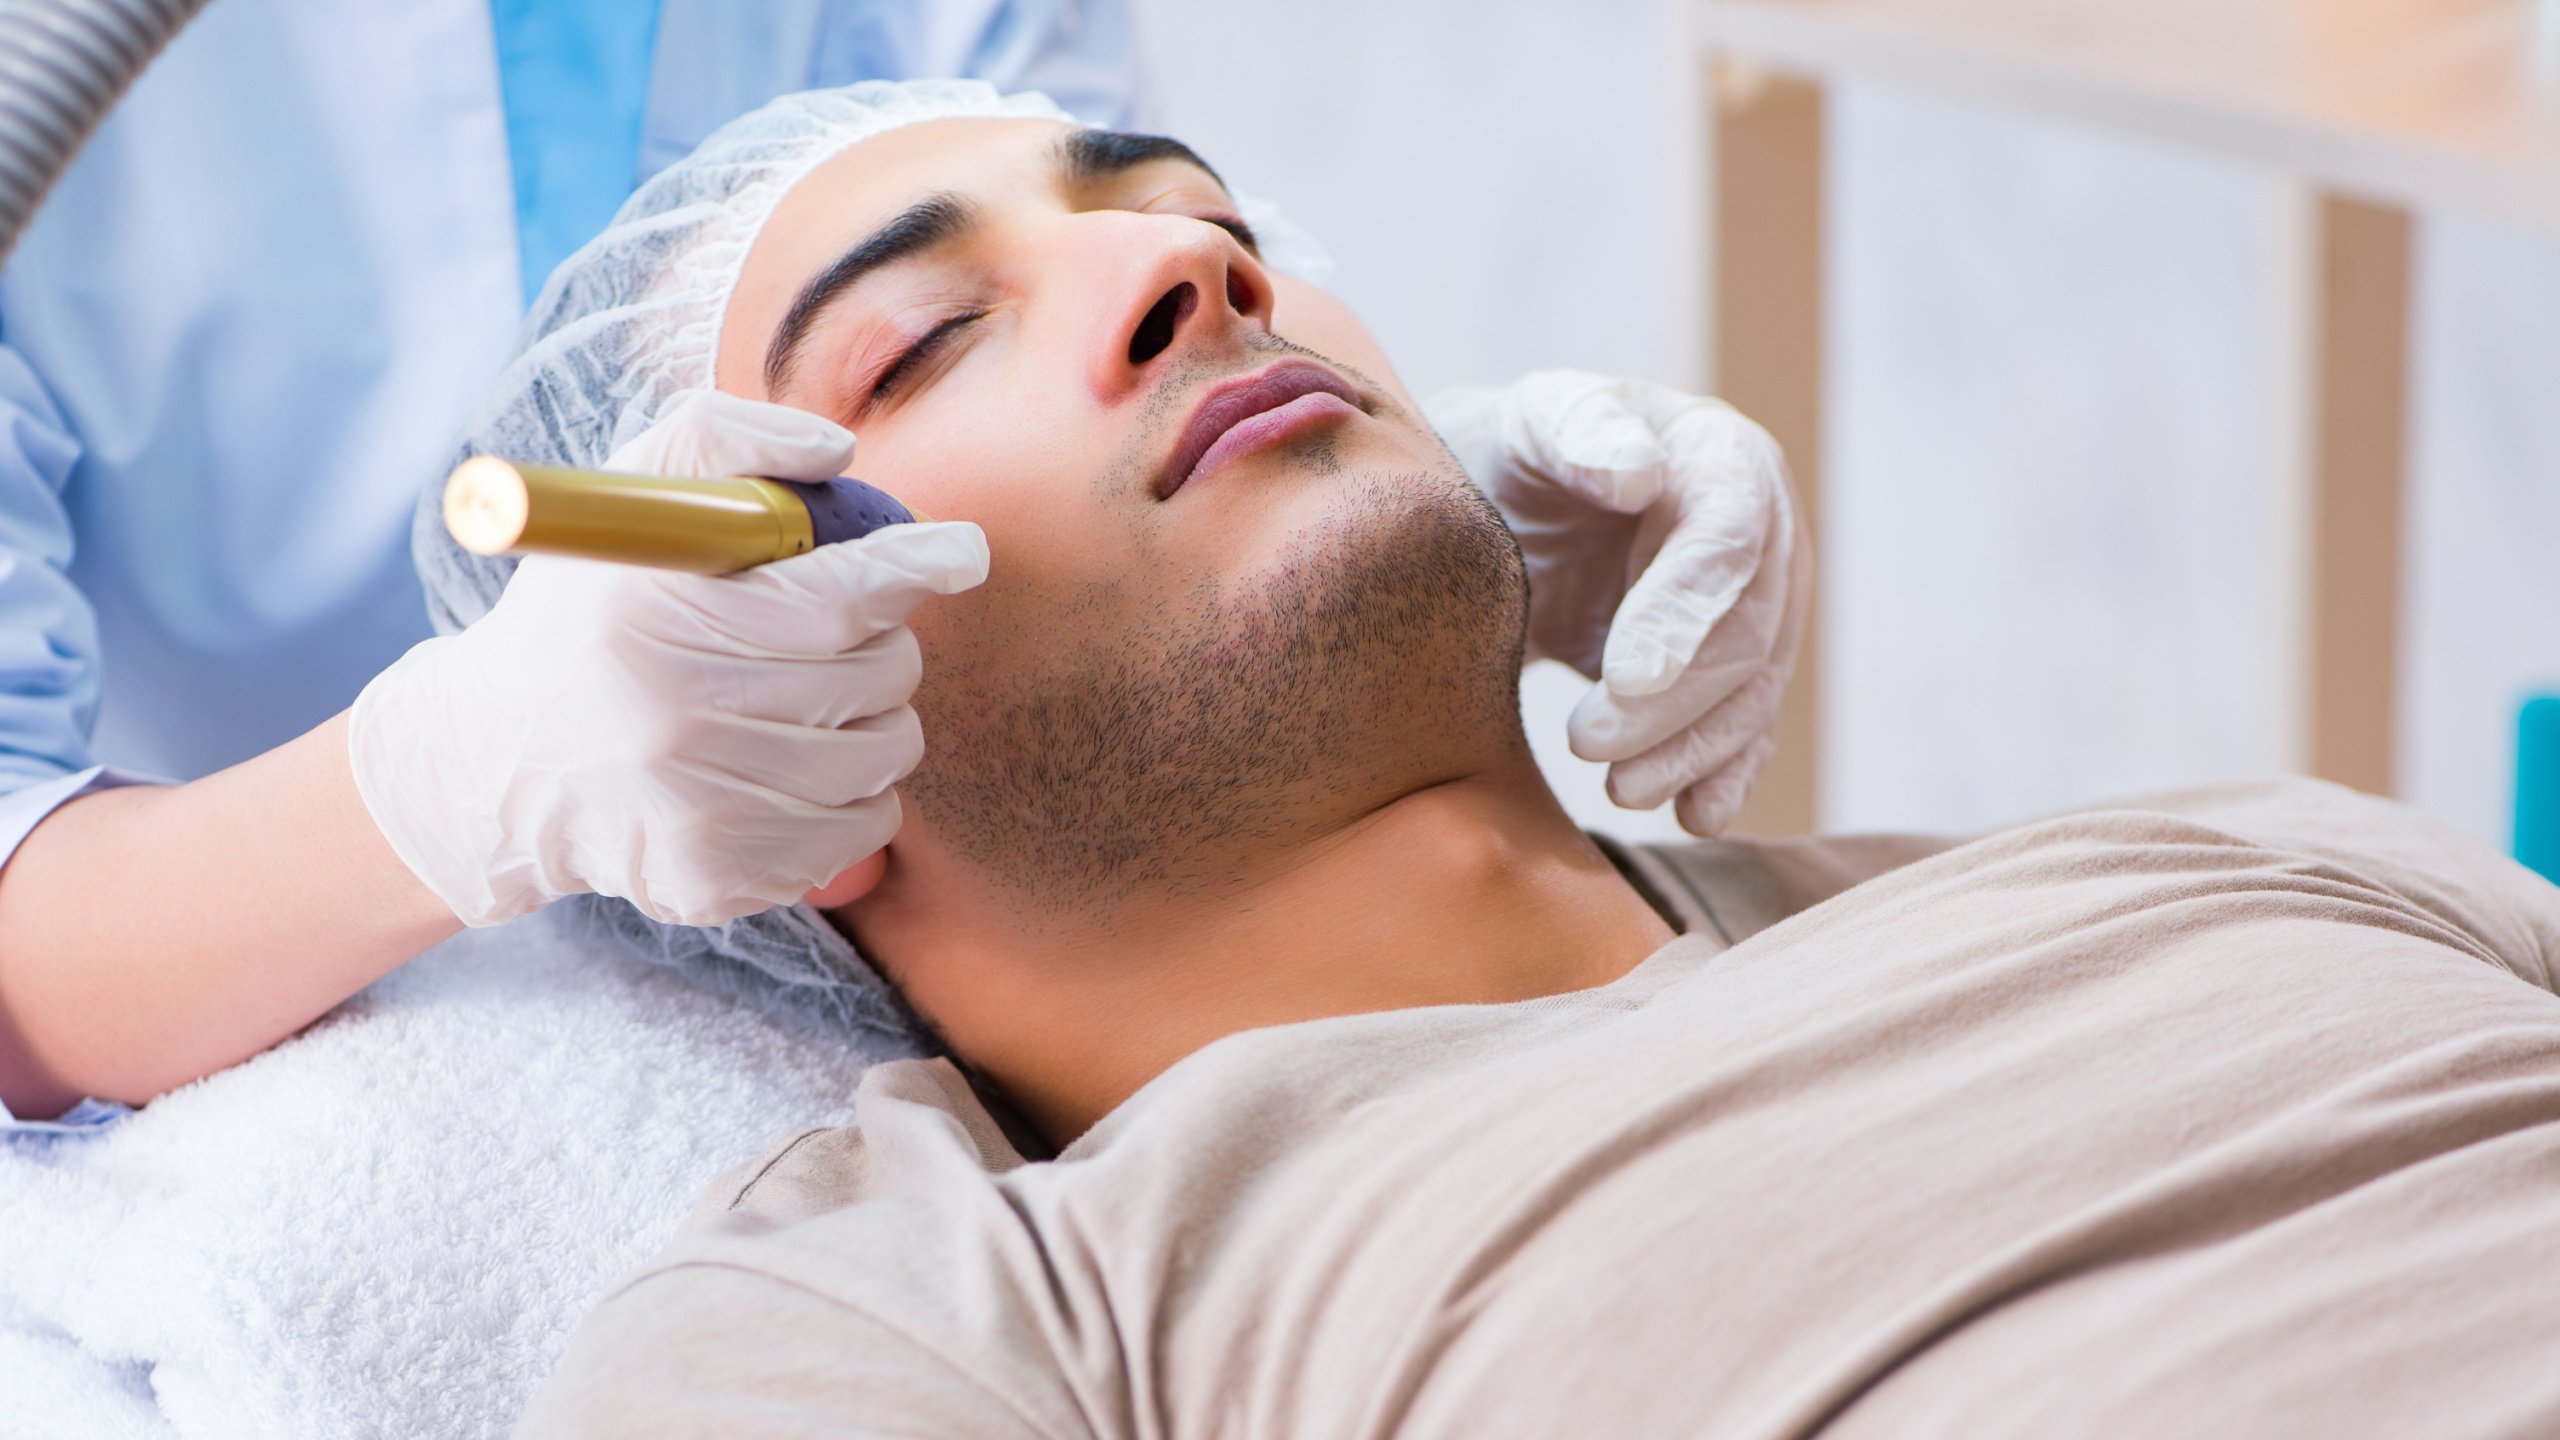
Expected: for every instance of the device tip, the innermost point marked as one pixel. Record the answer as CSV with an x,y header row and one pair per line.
x,y
486,506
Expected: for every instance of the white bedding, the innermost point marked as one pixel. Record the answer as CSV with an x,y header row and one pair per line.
x,y
388,1225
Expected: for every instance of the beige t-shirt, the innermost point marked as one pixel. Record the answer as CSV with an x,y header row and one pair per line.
x,y
2234,1113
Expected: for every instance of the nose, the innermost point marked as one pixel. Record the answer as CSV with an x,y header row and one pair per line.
x,y
1186,286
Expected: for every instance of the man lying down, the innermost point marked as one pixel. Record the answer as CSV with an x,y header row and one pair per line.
x,y
1314,1076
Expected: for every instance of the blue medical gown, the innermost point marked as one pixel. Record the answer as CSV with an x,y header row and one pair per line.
x,y
251,321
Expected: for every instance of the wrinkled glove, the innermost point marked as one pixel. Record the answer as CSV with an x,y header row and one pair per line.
x,y
702,746
1665,561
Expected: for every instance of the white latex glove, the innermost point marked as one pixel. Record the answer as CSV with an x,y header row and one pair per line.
x,y
702,746
1665,561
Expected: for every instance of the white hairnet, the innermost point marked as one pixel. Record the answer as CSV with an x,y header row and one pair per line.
x,y
633,317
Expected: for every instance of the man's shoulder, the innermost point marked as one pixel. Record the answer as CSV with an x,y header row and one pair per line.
x,y
700,1348
919,1134
849,1272
1733,887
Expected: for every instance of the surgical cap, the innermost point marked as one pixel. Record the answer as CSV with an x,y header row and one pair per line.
x,y
632,318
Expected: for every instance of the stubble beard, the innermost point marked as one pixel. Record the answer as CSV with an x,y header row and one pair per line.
x,y
1172,756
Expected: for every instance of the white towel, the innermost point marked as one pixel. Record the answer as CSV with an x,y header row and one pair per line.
x,y
389,1225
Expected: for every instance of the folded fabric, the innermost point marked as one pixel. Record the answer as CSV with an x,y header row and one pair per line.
x,y
50,1386
389,1225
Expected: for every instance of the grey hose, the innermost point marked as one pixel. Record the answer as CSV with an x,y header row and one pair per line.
x,y
63,65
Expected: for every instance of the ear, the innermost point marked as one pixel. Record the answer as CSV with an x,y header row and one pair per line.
x,y
857,881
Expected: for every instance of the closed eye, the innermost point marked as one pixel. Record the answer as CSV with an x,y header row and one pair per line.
x,y
915,355
1236,227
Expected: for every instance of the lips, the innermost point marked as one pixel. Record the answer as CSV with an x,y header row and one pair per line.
x,y
1244,414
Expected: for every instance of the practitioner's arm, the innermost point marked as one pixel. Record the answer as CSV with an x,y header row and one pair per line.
x,y
98,870
152,934
703,746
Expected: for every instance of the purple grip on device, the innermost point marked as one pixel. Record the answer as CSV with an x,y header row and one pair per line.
x,y
848,509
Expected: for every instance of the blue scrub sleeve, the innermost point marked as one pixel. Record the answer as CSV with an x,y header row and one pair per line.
x,y
716,60
1081,53
48,636
48,646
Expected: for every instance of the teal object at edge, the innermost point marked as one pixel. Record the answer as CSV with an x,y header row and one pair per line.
x,y
2538,786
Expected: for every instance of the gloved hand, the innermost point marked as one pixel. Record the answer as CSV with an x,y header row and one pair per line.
x,y
1665,561
703,746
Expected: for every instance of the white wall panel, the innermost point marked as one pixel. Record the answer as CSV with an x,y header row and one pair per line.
x,y
2483,583
2049,504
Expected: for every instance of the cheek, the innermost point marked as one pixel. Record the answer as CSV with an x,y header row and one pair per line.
x,y
955,459
1307,316
1025,477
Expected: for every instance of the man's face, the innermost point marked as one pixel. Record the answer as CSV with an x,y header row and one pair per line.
x,y
1191,616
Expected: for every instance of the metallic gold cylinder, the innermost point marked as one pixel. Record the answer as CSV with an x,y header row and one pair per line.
x,y
710,527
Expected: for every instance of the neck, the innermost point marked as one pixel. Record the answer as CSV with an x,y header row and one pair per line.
x,y
1475,890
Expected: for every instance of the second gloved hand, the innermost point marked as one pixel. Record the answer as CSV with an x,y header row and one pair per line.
x,y
1665,561
703,746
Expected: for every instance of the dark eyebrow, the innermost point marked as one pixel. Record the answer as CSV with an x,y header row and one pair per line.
x,y
933,221
1087,155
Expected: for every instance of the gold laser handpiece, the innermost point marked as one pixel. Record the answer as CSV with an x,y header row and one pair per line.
x,y
710,527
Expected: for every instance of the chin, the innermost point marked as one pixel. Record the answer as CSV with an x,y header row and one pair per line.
x,y
1417,554
1365,636
1341,494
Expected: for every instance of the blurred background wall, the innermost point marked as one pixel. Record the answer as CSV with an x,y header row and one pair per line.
x,y
2035,331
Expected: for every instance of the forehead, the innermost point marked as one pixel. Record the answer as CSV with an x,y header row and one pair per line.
x,y
853,192
865,183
